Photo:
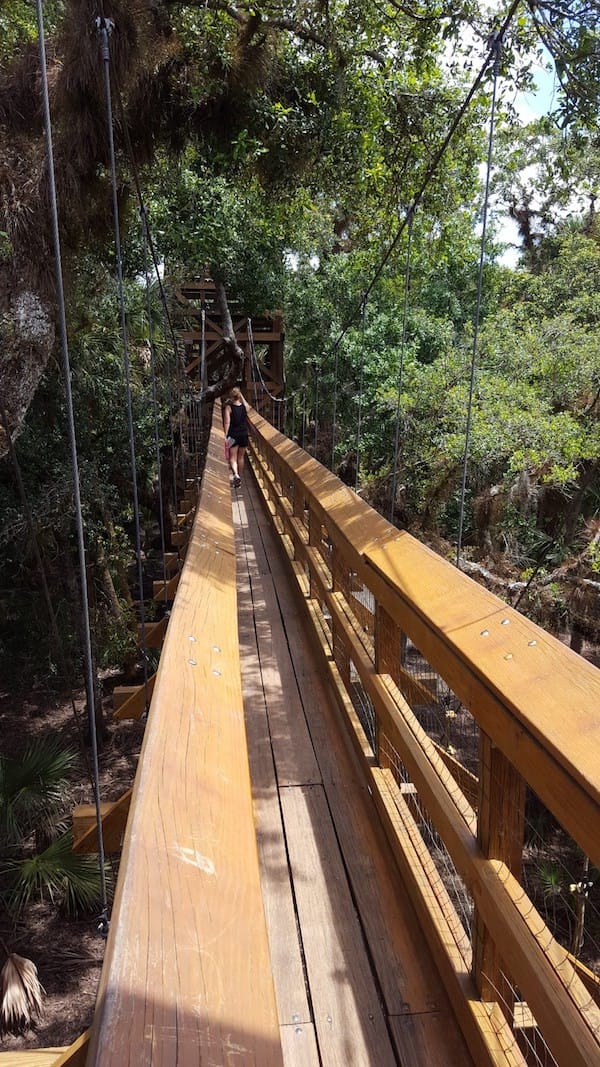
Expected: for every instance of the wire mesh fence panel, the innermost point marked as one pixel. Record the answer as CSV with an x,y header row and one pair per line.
x,y
565,888
447,879
363,705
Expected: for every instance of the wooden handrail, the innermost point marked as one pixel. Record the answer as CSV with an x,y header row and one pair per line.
x,y
535,701
187,974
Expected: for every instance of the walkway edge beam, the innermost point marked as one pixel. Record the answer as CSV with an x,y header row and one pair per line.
x,y
187,973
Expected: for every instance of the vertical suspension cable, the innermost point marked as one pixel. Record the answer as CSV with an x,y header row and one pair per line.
x,y
316,406
161,510
497,43
103,921
303,414
105,27
401,364
360,390
334,406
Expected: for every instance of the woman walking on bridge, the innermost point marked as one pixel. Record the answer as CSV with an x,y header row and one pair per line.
x,y
235,424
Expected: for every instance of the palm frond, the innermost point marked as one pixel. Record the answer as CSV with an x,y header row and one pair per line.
x,y
20,994
34,789
59,874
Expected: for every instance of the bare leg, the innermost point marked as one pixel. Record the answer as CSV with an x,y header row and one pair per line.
x,y
233,460
241,454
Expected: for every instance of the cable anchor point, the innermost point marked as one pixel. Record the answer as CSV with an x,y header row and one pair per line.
x,y
103,925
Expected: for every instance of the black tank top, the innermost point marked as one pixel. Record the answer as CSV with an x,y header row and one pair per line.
x,y
238,419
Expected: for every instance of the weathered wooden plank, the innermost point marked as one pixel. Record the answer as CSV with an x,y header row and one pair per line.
x,y
348,1019
286,961
299,1045
294,755
187,976
430,1037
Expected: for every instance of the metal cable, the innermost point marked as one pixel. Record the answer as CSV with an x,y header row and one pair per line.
x,y
161,510
105,27
334,406
360,392
401,365
496,46
103,921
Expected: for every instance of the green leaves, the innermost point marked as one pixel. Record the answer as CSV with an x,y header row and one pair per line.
x,y
59,875
33,789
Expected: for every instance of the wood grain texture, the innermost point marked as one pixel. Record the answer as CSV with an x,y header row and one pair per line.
x,y
349,1022
286,960
299,1046
187,975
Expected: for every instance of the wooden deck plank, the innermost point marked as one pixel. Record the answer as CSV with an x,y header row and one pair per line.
x,y
299,1046
286,960
349,1021
295,760
427,1038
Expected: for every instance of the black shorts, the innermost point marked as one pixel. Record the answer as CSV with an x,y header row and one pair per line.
x,y
241,440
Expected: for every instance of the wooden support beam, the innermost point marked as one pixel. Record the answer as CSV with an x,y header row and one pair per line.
x,y
160,591
179,538
129,701
36,1057
114,820
500,828
154,632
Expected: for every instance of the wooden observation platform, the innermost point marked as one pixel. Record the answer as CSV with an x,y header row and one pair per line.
x,y
309,878
267,337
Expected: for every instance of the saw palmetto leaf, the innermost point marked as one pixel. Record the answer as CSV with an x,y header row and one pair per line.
x,y
20,994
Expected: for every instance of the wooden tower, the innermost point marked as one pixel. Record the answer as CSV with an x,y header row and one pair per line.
x,y
267,332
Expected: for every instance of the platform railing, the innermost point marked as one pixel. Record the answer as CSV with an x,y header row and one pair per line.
x,y
402,631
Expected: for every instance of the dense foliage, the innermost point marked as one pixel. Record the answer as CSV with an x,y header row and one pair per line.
x,y
279,147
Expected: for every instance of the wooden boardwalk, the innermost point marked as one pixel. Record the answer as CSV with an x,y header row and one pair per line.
x,y
354,981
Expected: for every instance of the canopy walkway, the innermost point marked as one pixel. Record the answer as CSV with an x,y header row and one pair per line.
x,y
312,873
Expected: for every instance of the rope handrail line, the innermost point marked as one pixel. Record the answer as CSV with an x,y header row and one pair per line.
x,y
104,27
88,660
497,46
431,170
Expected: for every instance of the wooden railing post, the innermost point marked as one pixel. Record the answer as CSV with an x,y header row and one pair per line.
x,y
314,540
340,577
500,828
388,641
